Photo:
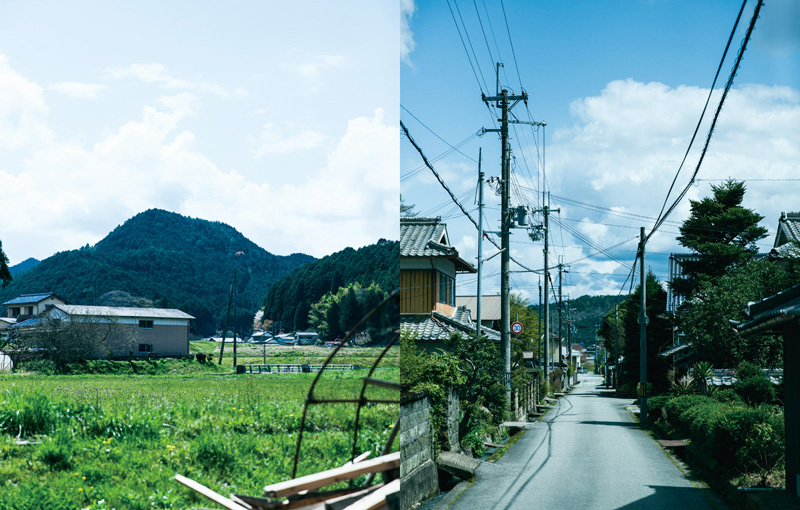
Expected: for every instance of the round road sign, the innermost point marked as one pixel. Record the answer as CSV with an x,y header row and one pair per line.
x,y
516,328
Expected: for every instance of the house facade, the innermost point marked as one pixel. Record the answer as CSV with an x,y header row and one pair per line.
x,y
128,331
30,305
429,265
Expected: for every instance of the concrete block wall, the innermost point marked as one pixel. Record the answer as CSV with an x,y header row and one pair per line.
x,y
418,476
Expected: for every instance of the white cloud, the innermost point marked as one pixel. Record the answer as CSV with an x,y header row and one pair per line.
x,y
23,112
78,90
154,161
407,43
625,147
157,73
312,70
273,140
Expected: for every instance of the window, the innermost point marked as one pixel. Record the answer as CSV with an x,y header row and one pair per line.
x,y
447,289
146,347
28,310
145,324
15,311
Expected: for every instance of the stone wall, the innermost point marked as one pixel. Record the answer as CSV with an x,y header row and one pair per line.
x,y
453,410
418,476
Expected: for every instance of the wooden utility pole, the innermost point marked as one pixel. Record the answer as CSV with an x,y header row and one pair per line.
x,y
480,242
642,335
502,102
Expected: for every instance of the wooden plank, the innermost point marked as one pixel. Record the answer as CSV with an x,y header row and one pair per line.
x,y
377,499
331,476
343,502
210,494
358,459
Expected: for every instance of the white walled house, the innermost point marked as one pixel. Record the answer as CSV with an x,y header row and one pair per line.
x,y
30,305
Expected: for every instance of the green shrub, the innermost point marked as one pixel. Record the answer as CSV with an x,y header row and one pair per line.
x,y
655,406
727,395
755,390
747,370
628,390
675,409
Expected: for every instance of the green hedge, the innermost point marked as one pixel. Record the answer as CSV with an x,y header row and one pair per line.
x,y
737,437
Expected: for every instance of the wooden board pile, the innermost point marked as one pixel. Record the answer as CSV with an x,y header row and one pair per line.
x,y
304,493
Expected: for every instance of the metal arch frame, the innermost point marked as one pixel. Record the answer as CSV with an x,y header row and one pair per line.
x,y
310,399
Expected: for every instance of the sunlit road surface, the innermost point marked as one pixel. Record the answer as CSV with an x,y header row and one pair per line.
x,y
585,453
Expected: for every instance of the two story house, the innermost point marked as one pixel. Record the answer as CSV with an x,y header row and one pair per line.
x,y
429,265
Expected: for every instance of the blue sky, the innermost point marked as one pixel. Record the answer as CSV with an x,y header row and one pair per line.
x,y
279,118
621,86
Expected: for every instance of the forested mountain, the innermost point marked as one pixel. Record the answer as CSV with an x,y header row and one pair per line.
x,y
169,260
25,265
586,313
293,296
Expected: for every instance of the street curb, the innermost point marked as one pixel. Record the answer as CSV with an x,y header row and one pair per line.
x,y
452,496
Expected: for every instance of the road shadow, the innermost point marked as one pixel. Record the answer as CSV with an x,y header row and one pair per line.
x,y
614,423
669,498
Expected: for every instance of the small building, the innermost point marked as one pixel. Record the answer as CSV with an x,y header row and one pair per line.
x,y
490,309
5,324
30,305
305,337
129,331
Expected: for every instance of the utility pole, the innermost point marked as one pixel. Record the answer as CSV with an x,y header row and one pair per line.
x,y
642,335
502,102
480,241
616,351
539,354
234,316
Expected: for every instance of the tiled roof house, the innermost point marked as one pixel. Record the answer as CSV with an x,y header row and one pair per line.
x,y
429,265
787,239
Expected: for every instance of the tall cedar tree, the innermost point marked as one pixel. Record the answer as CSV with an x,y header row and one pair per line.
x,y
721,232
5,273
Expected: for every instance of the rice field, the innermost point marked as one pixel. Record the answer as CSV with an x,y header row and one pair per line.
x,y
115,441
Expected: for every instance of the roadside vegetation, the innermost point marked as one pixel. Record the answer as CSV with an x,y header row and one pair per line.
x,y
736,435
115,440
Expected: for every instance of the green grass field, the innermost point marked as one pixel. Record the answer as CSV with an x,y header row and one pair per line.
x,y
115,441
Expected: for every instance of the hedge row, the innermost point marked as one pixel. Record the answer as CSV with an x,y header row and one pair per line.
x,y
736,436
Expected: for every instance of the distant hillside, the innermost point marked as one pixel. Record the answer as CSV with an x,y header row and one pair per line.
x,y
377,263
587,312
23,266
168,260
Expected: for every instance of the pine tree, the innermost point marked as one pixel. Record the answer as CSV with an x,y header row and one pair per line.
x,y
5,272
721,232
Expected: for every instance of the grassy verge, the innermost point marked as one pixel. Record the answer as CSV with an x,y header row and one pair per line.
x,y
115,441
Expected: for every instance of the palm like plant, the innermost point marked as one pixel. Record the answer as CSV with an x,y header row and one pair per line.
x,y
703,370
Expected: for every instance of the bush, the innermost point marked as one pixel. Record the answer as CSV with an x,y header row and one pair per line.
x,y
628,390
655,406
676,408
727,395
755,390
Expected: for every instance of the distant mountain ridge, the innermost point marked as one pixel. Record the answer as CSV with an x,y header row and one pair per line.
x,y
170,260
25,265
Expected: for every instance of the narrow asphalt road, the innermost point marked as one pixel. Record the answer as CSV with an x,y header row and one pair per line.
x,y
585,453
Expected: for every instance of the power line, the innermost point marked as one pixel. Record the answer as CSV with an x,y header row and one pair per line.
x,y
728,86
444,185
